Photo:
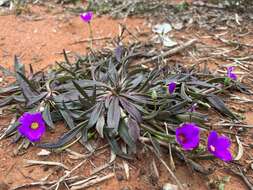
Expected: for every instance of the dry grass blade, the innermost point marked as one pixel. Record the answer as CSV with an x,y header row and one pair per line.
x,y
172,174
155,169
100,168
39,183
170,52
67,174
240,149
93,182
245,179
83,181
181,187
48,163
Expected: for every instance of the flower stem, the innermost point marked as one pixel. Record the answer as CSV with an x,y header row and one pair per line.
x,y
91,34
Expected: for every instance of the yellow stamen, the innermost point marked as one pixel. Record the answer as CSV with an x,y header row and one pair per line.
x,y
212,148
34,125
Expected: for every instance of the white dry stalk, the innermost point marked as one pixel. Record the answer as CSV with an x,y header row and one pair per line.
x,y
170,52
231,124
155,168
100,168
172,174
67,174
48,163
77,183
240,149
93,182
125,164
241,99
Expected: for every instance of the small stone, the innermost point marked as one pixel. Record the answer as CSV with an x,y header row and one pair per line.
x,y
43,152
168,186
163,28
125,188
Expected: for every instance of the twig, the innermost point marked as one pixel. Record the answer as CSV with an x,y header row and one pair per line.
x,y
233,125
171,173
67,174
39,183
170,52
143,139
83,181
49,163
245,179
98,169
93,182
242,99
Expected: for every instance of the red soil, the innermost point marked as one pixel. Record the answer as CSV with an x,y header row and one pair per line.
x,y
39,43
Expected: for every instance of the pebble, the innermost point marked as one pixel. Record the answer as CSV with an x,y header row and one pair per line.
x,y
168,186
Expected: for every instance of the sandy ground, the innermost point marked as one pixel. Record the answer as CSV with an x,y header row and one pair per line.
x,y
40,42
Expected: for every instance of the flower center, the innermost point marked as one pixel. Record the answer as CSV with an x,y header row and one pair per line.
x,y
34,125
182,138
212,148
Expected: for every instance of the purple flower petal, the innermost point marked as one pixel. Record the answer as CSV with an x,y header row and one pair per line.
x,y
219,146
86,17
172,87
32,126
230,74
187,135
230,69
233,76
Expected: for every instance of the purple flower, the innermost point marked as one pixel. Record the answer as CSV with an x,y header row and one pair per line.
x,y
32,126
219,146
172,87
187,135
230,73
86,17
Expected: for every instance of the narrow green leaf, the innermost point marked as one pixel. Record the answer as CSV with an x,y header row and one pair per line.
x,y
34,100
133,129
66,57
11,129
82,91
113,115
219,105
183,93
112,73
65,114
125,135
115,147
131,109
47,116
95,114
5,101
63,140
24,83
65,69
